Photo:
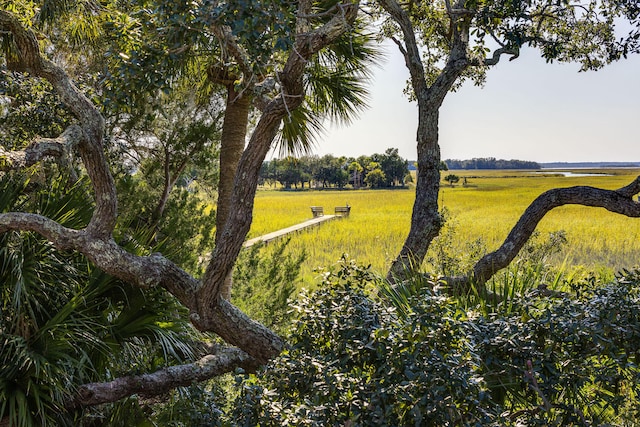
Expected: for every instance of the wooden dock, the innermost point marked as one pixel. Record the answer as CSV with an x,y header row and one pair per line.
x,y
266,238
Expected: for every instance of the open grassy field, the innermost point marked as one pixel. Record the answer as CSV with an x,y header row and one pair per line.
x,y
486,208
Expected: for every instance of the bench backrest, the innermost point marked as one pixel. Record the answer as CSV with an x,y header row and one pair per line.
x,y
342,210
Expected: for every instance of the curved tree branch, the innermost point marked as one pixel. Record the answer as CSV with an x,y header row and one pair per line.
x,y
41,148
226,320
163,380
62,237
410,51
618,201
30,59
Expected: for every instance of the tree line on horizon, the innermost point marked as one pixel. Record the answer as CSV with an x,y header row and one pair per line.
x,y
491,163
385,170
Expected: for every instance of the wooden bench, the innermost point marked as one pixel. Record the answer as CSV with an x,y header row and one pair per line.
x,y
342,210
317,211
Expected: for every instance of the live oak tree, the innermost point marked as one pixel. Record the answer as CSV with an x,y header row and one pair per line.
x,y
446,42
251,344
277,91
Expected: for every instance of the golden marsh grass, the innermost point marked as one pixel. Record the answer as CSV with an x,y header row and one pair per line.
x,y
486,208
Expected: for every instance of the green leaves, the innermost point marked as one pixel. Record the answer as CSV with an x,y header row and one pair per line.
x,y
264,281
356,359
31,110
353,361
62,323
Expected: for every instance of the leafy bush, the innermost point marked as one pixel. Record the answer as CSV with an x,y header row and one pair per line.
x,y
353,362
355,359
569,360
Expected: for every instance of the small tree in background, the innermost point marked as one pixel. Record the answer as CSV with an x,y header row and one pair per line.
x,y
375,178
452,179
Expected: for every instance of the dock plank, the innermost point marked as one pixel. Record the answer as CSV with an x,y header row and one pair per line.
x,y
266,238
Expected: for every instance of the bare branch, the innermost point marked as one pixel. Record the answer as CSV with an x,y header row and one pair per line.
x,y
304,12
58,148
303,16
401,48
631,189
163,380
495,58
30,59
63,238
411,52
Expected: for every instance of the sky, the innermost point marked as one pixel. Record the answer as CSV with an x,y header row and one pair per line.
x,y
527,110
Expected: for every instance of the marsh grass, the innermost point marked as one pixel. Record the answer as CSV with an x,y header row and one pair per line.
x,y
484,211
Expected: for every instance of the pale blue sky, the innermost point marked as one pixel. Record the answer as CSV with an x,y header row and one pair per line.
x,y
527,110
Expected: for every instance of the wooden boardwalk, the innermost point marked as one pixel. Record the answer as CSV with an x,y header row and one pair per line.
x,y
266,238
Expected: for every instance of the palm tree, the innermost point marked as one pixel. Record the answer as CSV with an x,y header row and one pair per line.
x,y
335,91
63,322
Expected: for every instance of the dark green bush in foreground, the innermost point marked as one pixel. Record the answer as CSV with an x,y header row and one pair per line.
x,y
355,360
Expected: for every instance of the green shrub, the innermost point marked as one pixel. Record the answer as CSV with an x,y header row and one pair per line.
x,y
264,281
355,359
353,362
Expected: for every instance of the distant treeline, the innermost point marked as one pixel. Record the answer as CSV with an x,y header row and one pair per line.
x,y
560,165
491,163
375,171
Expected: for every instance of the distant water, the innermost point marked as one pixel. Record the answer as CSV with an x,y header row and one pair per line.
x,y
571,174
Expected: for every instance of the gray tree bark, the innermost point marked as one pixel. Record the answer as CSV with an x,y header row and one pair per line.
x,y
425,219
208,311
163,380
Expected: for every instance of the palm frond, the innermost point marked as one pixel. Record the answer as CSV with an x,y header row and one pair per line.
x,y
336,91
299,132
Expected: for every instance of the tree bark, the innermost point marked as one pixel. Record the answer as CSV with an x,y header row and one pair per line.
x,y
208,311
58,148
425,219
232,142
163,380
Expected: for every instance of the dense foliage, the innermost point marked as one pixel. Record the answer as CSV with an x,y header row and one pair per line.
x,y
408,355
64,323
412,356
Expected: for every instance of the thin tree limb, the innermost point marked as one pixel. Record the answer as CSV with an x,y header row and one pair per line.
x,y
163,380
